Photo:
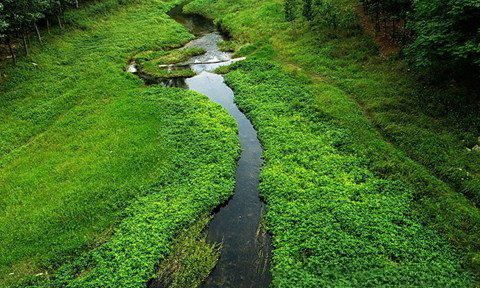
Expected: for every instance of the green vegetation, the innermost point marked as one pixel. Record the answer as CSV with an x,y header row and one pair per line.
x,y
334,222
199,178
165,73
448,37
347,60
227,46
98,172
155,63
20,17
441,37
192,258
369,178
436,126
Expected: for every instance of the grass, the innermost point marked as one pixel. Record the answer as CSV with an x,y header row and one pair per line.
x,y
348,205
335,223
433,125
98,173
227,46
192,258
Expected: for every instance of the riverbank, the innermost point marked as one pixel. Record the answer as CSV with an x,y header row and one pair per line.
x,y
335,186
99,173
235,227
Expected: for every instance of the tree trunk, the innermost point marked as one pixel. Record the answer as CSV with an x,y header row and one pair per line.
x,y
48,26
59,22
25,44
38,33
12,52
76,4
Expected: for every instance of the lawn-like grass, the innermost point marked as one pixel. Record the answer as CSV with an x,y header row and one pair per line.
x,y
99,174
89,155
328,170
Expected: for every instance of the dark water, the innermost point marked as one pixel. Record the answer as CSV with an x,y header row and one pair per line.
x,y
196,24
245,253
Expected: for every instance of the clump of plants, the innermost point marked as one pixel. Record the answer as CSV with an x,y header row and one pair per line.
x,y
167,63
191,260
227,46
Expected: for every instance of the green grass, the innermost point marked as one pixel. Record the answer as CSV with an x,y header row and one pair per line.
x,y
432,125
191,260
227,46
200,179
120,170
357,186
89,155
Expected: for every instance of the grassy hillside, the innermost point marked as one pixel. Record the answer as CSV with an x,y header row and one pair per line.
x,y
85,147
344,78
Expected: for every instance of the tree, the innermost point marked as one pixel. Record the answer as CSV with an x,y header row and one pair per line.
x,y
447,36
3,22
290,7
308,10
3,32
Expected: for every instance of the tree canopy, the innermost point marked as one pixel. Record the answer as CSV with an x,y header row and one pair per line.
x,y
439,37
19,17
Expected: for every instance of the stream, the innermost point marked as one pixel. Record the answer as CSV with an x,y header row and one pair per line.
x,y
237,225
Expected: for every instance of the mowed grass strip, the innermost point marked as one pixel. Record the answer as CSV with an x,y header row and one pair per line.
x,y
82,140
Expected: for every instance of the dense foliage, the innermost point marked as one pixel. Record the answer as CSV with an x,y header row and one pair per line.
x,y
439,36
3,22
346,206
334,222
202,165
18,18
435,126
327,13
447,36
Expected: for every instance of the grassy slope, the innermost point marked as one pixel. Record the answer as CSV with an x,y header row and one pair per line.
x,y
433,125
81,140
370,198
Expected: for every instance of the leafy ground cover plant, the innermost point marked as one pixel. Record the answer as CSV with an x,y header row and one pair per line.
x,y
335,223
158,63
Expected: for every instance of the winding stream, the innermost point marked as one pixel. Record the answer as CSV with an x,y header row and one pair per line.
x,y
245,253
